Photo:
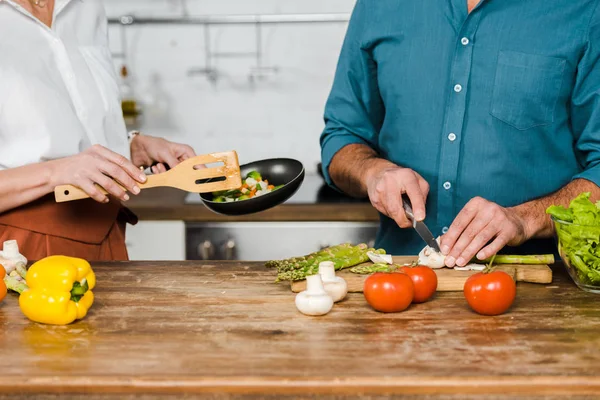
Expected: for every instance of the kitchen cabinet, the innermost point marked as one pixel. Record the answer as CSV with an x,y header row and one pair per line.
x,y
156,240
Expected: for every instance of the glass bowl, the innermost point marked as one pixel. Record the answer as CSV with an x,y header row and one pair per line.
x,y
577,248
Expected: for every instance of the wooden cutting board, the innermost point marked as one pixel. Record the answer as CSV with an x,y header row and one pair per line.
x,y
449,280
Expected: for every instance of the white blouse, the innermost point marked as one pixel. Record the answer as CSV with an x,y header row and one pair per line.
x,y
59,92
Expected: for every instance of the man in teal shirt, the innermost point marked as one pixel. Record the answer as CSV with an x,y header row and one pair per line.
x,y
484,114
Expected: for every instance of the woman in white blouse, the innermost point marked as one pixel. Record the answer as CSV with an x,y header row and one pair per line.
x,y
61,123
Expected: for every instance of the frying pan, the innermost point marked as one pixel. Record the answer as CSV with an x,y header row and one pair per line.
x,y
278,171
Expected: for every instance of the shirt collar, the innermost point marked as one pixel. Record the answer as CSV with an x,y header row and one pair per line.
x,y
59,5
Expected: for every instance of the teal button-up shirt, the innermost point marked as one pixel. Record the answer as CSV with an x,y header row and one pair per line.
x,y
501,103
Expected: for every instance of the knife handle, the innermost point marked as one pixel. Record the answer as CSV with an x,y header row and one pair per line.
x,y
407,207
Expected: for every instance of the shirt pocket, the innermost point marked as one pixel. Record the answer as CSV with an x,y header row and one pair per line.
x,y
526,89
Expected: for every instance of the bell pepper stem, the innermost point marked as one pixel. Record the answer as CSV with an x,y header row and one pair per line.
x,y
79,289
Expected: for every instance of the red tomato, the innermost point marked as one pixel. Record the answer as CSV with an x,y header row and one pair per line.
x,y
389,292
490,294
425,282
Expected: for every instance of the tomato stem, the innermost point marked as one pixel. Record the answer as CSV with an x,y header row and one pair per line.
x,y
490,267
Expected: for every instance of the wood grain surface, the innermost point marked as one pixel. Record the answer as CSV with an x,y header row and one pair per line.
x,y
225,330
449,280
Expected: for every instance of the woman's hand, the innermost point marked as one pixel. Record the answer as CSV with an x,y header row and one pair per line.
x,y
147,150
98,166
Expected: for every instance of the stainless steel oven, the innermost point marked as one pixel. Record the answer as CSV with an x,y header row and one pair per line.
x,y
261,241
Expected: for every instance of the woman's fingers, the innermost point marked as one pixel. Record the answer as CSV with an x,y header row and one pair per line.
x,y
88,186
168,158
109,185
120,175
121,162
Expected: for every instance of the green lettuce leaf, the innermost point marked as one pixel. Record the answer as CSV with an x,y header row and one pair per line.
x,y
579,238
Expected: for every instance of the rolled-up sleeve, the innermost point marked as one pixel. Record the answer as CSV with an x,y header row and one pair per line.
x,y
585,107
354,110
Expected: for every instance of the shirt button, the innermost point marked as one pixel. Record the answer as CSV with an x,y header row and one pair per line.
x,y
457,88
452,137
445,230
447,185
464,41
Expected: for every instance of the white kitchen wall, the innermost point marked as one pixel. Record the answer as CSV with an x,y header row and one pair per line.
x,y
280,115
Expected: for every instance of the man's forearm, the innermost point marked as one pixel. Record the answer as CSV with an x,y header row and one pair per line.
x,y
533,213
352,166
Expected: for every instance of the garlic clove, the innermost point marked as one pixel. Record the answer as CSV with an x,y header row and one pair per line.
x,y
10,257
334,285
314,300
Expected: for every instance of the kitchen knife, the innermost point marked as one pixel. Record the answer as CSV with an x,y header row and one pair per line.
x,y
420,226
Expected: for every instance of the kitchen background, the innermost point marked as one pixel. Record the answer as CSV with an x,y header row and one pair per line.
x,y
263,112
259,89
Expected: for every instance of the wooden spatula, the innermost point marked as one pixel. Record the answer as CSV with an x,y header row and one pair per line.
x,y
184,176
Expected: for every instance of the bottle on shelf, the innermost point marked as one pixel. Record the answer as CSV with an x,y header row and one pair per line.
x,y
129,104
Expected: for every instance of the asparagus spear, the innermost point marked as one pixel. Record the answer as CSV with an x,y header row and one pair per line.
x,y
498,259
519,259
328,252
329,255
294,260
21,270
15,283
275,263
371,269
358,256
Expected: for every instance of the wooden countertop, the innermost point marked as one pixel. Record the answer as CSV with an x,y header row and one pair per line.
x,y
162,204
224,330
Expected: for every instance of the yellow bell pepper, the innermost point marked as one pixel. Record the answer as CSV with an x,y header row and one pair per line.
x,y
60,290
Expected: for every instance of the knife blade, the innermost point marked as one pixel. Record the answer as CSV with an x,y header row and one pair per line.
x,y
420,226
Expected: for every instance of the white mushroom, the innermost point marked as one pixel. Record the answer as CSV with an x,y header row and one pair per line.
x,y
335,286
432,258
314,300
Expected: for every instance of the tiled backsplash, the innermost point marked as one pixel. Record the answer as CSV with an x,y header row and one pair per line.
x,y
280,115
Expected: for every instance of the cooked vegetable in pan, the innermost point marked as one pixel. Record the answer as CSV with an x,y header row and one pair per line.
x,y
252,186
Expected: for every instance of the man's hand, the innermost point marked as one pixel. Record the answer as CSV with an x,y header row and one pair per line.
x,y
386,186
147,150
478,223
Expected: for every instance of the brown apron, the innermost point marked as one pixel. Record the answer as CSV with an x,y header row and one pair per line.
x,y
84,228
